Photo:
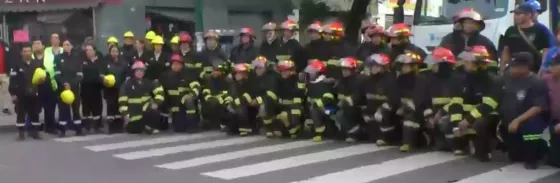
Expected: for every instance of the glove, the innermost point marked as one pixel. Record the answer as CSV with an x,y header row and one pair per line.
x,y
378,116
400,112
367,119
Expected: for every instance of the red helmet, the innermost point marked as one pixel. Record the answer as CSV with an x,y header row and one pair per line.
x,y
441,54
285,65
138,65
335,28
367,25
379,59
349,62
409,58
476,53
290,25
260,61
399,30
316,66
241,67
176,58
184,37
246,31
315,26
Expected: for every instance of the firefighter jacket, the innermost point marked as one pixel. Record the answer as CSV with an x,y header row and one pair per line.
x,y
117,68
21,75
315,49
441,90
193,66
381,90
291,91
367,49
349,88
265,87
243,53
127,52
413,94
336,50
178,88
157,65
217,87
457,43
319,93
474,88
68,69
207,57
144,56
270,49
135,97
292,49
240,93
93,71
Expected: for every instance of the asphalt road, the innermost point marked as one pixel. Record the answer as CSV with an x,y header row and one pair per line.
x,y
212,157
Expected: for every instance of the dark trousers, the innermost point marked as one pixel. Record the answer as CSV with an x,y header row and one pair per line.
x,y
70,113
48,101
27,106
554,153
92,105
114,120
520,147
147,123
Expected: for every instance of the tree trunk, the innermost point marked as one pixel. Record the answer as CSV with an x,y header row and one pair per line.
x,y
353,20
398,12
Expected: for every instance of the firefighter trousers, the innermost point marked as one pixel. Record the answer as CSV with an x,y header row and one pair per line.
x,y
27,107
70,113
288,120
48,100
414,132
214,112
184,116
381,126
114,121
92,106
147,123
349,121
322,122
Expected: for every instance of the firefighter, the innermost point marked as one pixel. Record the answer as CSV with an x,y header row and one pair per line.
x,y
127,49
290,48
159,61
150,35
348,89
216,87
266,86
315,48
466,34
477,86
382,101
399,39
182,92
118,68
186,51
320,100
112,41
239,101
271,45
336,48
211,53
24,93
174,42
412,87
444,85
376,42
138,100
68,74
291,92
91,87
141,53
246,51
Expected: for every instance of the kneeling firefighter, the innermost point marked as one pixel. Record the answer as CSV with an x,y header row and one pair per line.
x,y
320,100
290,98
348,118
240,100
266,88
139,108
216,90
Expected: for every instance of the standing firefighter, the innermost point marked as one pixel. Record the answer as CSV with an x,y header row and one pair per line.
x,y
376,42
68,73
156,66
315,48
290,97
290,48
266,88
412,87
216,86
399,37
192,65
182,91
271,45
382,100
246,51
114,76
91,88
320,100
211,53
336,48
240,101
136,103
348,89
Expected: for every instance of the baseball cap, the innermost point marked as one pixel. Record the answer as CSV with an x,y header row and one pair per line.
x,y
521,59
524,8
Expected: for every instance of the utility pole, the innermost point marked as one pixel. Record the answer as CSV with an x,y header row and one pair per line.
x,y
199,13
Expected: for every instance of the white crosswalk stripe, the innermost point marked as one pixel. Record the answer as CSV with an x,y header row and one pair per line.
x,y
255,159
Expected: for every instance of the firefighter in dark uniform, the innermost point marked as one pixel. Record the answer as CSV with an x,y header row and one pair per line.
x,y
156,66
290,48
182,92
68,74
413,93
211,53
266,85
239,101
91,88
348,89
315,48
271,45
118,67
336,48
24,91
399,37
138,100
376,42
246,51
112,41
141,53
382,101
521,99
290,98
192,65
127,49
444,85
321,101
216,90
466,34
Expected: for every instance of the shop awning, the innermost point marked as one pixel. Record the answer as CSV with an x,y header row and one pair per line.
x,y
45,5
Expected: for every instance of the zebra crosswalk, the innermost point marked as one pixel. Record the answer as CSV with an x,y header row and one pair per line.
x,y
256,159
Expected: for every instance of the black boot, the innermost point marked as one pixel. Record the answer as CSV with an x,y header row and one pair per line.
x,y
62,129
21,133
34,133
111,126
78,129
86,125
98,126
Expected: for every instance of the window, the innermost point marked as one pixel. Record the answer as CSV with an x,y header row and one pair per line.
x,y
439,12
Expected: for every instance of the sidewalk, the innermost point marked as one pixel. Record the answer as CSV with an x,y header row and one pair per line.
x,y
7,123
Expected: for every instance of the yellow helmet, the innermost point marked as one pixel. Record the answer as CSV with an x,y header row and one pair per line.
x,y
38,76
109,80
67,96
128,34
150,35
174,40
158,40
113,39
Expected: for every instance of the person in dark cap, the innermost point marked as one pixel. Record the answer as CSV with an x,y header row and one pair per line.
x,y
552,79
521,99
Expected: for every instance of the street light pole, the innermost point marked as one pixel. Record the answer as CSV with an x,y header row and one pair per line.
x,y
199,11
